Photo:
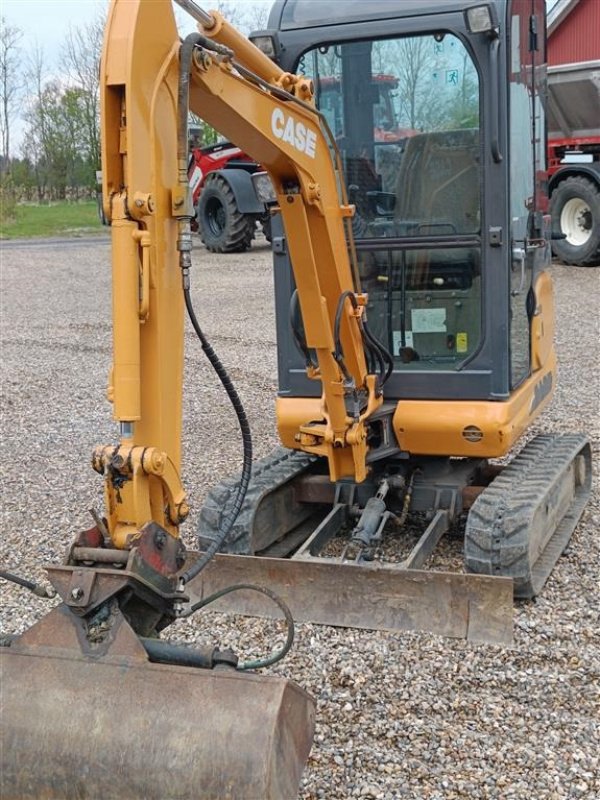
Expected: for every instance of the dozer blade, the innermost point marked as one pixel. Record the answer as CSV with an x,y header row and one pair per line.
x,y
101,725
371,596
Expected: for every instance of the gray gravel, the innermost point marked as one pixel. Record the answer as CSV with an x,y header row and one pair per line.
x,y
399,715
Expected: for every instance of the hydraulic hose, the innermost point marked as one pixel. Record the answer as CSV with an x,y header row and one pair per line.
x,y
160,651
381,350
9,576
217,365
374,350
298,331
338,354
184,245
278,654
209,657
36,588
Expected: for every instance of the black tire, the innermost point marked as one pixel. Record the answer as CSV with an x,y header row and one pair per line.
x,y
575,209
265,223
223,228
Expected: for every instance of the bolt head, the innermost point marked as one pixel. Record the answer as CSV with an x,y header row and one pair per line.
x,y
77,593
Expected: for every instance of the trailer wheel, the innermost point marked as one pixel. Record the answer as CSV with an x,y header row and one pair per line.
x,y
223,228
575,208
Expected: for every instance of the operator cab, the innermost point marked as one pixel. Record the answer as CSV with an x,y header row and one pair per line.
x,y
413,96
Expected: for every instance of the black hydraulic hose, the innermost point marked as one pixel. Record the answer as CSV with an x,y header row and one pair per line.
x,y
299,336
383,351
338,353
8,576
184,245
36,588
374,356
278,654
373,348
227,525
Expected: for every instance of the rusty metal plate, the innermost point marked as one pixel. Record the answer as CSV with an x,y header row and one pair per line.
x,y
115,727
373,597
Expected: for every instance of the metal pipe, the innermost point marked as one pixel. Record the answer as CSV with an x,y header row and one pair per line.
x,y
101,555
183,103
162,652
126,430
203,17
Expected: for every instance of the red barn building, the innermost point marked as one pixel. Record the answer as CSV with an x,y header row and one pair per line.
x,y
574,32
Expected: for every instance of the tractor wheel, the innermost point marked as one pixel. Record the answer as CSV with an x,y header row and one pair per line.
x,y
223,228
575,208
265,223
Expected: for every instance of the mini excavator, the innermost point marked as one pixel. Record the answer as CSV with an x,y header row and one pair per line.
x,y
415,324
405,416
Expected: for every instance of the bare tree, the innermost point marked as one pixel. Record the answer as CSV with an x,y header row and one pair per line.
x,y
81,54
410,60
35,116
257,16
10,82
62,127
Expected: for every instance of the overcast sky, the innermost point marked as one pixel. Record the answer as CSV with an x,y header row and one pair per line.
x,y
47,22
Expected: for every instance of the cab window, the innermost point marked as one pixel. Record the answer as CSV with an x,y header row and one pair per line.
x,y
404,113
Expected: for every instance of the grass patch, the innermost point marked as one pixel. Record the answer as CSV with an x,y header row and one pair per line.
x,y
55,219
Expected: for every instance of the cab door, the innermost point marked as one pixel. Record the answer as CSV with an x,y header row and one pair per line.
x,y
527,202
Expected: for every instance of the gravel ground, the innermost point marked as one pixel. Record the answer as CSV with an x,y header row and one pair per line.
x,y
399,715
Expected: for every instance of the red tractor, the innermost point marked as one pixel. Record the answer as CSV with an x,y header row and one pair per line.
x,y
228,200
228,206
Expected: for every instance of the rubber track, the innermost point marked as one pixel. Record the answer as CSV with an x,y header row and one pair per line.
x,y
268,474
498,529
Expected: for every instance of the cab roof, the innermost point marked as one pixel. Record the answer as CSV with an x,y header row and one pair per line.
x,y
297,14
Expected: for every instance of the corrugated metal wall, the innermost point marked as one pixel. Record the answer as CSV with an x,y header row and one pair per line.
x,y
577,38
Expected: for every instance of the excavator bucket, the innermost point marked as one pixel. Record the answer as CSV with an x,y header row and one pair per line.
x,y
100,720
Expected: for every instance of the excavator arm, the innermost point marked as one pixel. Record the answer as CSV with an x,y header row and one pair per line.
x,y
237,90
282,130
